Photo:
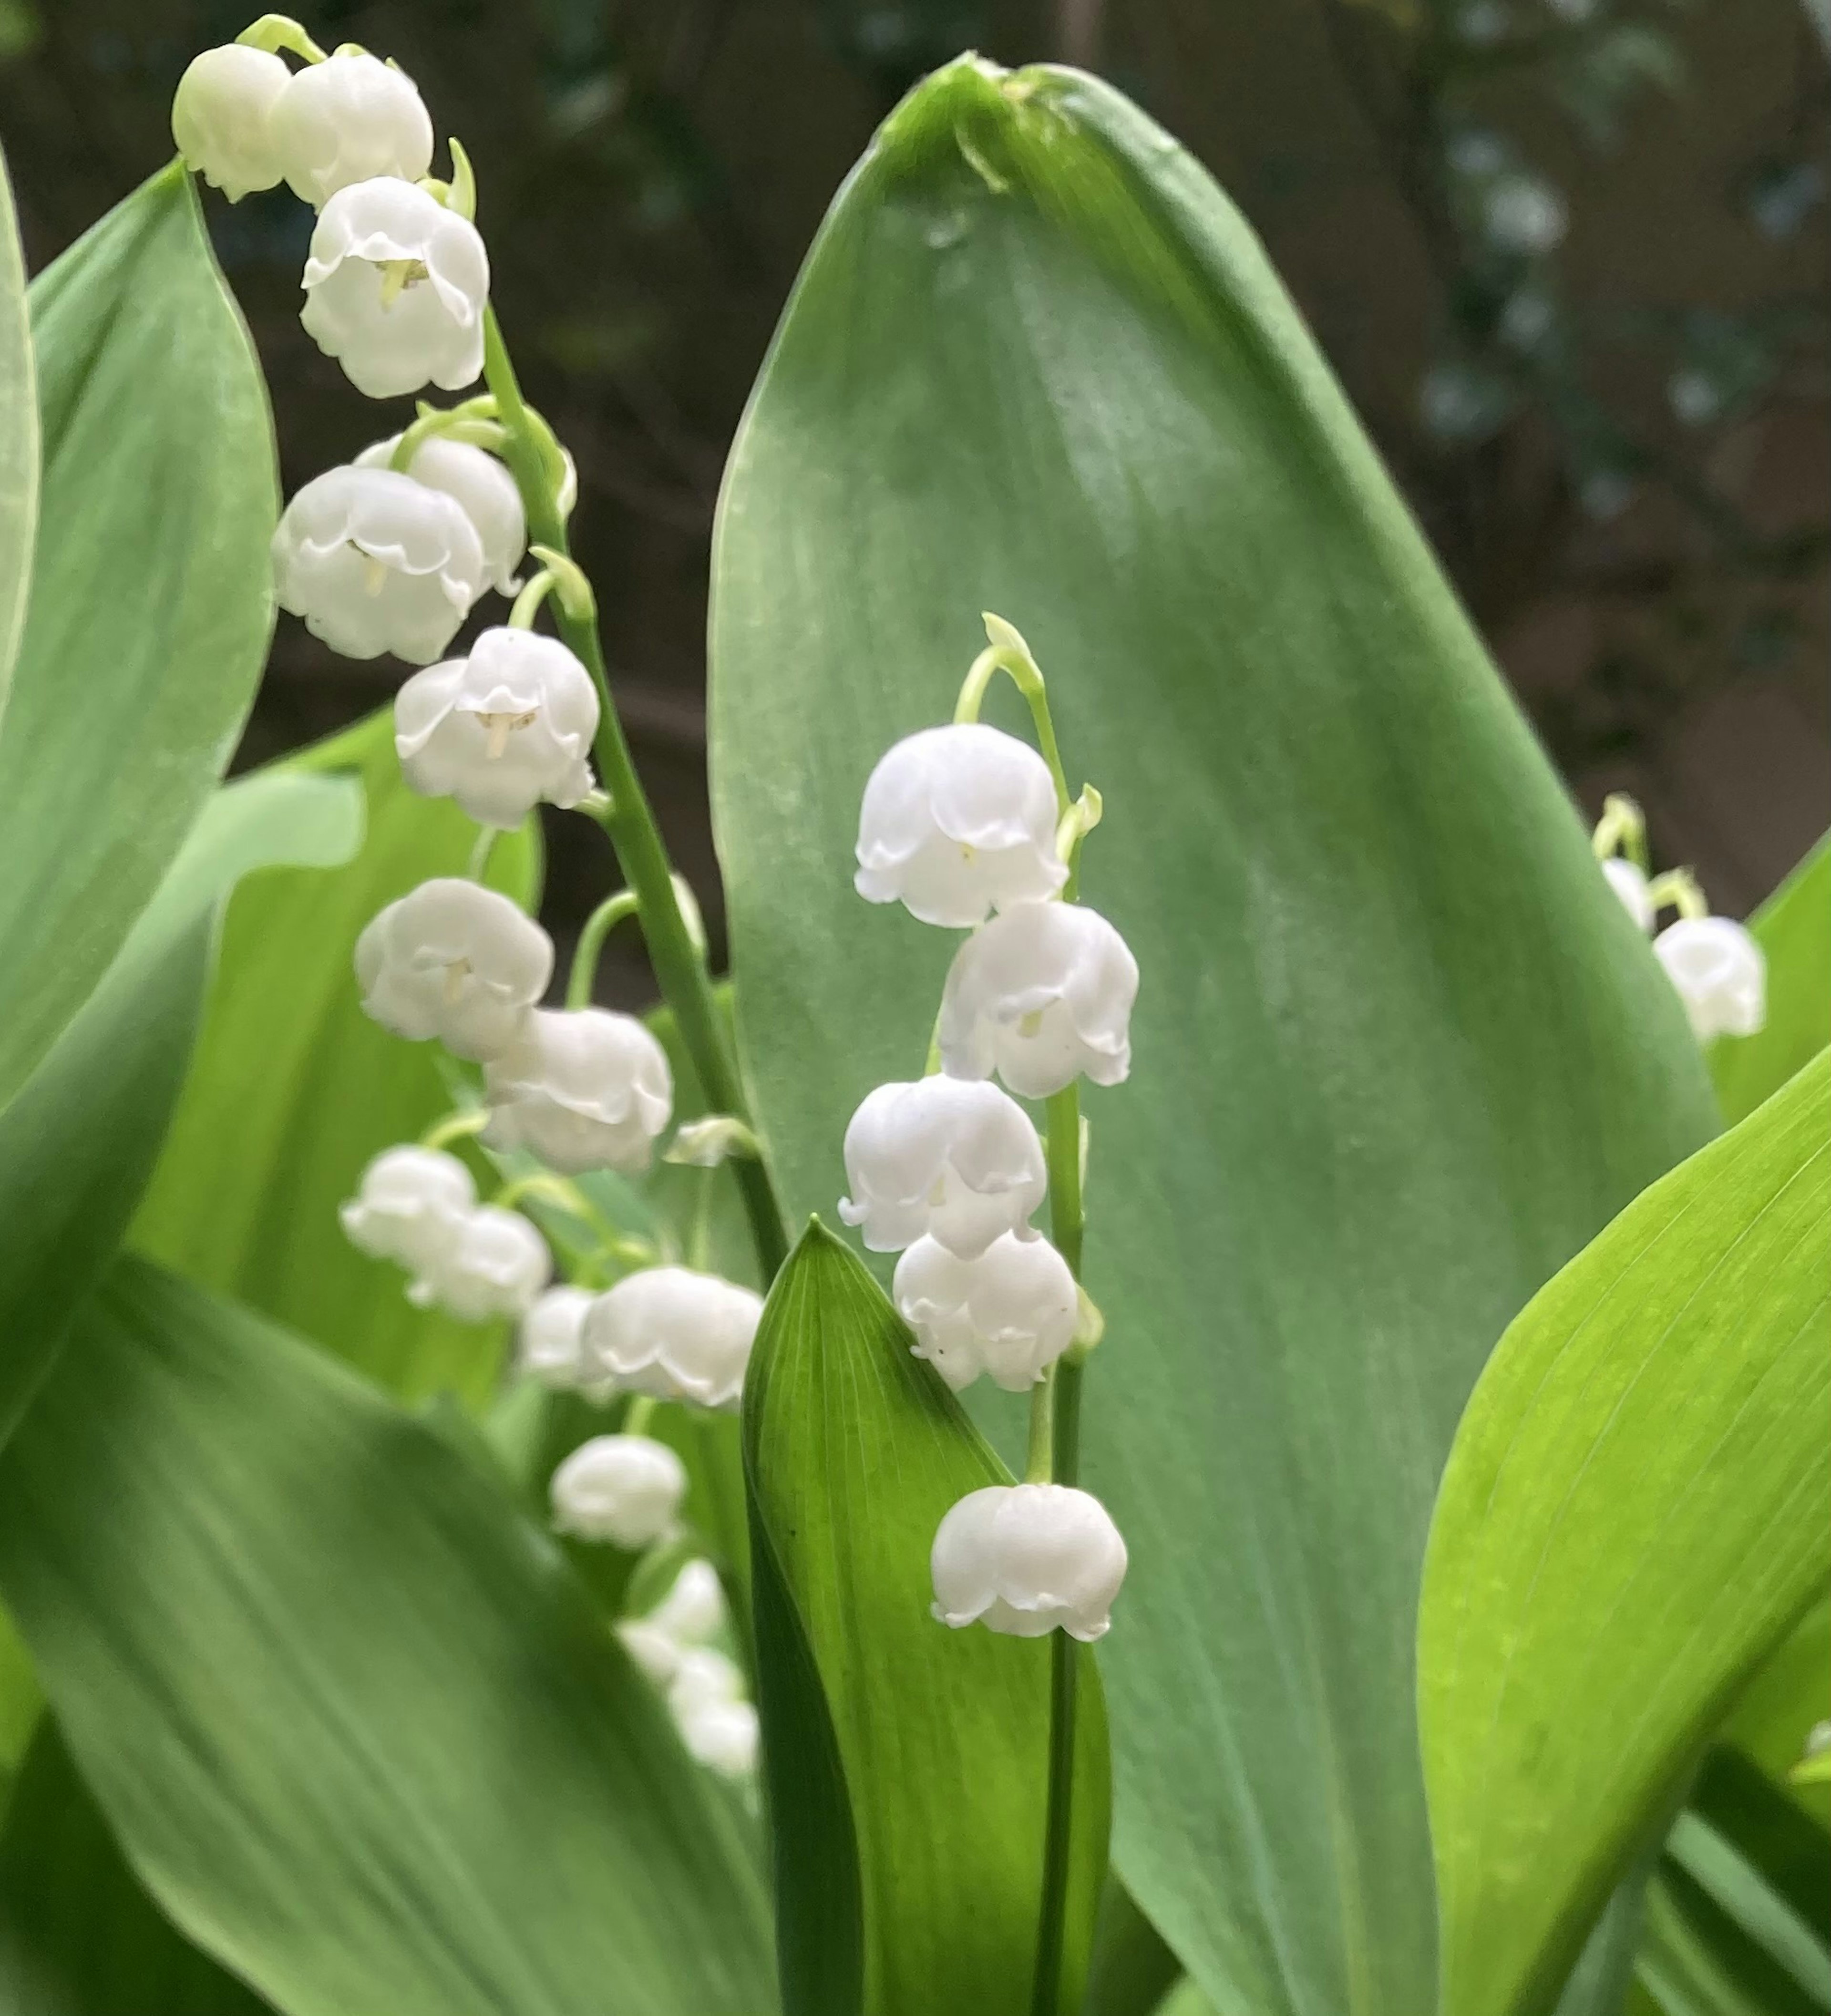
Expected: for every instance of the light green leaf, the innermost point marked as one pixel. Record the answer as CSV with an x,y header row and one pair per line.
x,y
1398,1053
78,1142
294,1089
1793,927
19,439
1638,1507
854,1451
352,1721
151,597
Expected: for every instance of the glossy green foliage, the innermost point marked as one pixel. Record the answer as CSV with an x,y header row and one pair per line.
x,y
294,1089
19,439
1398,1053
150,603
1638,1507
1794,929
77,1142
855,1450
351,1719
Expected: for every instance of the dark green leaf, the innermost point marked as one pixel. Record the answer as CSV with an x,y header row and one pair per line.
x,y
1794,928
19,441
1786,1701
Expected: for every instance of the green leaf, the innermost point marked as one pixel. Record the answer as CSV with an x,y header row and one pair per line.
x,y
78,1142
352,1721
1786,1701
19,439
854,1451
1636,1510
1397,1056
1793,927
78,1935
294,1089
151,597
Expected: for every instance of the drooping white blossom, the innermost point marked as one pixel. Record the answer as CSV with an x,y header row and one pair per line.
x,y
1042,994
674,1333
1720,974
1630,885
348,120
689,1616
723,1735
1010,1313
655,1653
222,117
958,821
479,484
550,1343
395,288
500,730
497,1267
410,1208
374,561
627,1489
581,1089
454,960
1023,1558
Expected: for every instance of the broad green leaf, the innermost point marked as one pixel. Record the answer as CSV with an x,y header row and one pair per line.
x,y
352,1721
151,597
294,1089
19,439
1794,929
854,1451
1131,1970
1398,1055
1786,1701
1637,1509
78,1935
78,1142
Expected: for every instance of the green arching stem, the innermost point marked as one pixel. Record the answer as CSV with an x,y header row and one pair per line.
x,y
1008,653
638,1415
597,927
538,467
435,423
1679,887
1622,825
455,1127
481,848
526,605
275,32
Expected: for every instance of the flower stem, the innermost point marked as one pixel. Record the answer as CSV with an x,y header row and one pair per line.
x,y
534,459
638,1414
612,910
1007,653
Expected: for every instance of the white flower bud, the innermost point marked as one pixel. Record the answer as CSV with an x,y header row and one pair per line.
x,y
722,1735
1720,974
958,821
958,1161
674,1333
704,1679
1630,884
347,120
1010,1313
625,1488
654,1650
1023,1558
222,117
501,729
481,486
374,561
395,288
1040,994
454,960
693,1611
410,1208
550,1345
496,1268
582,1089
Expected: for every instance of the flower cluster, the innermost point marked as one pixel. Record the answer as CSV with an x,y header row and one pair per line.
x,y
675,1644
970,828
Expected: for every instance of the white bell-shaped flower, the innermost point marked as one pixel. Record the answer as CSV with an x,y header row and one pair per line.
x,y
1720,974
498,1266
481,487
693,1611
722,1735
1630,885
347,120
374,561
222,117
1010,1313
1042,996
395,288
454,960
627,1489
656,1654
410,1208
550,1344
500,730
582,1089
958,1161
674,1333
958,821
1023,1558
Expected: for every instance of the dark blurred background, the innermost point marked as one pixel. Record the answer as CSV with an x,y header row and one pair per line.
x,y
1569,257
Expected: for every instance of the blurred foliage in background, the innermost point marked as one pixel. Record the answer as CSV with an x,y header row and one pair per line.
x,y
1568,257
